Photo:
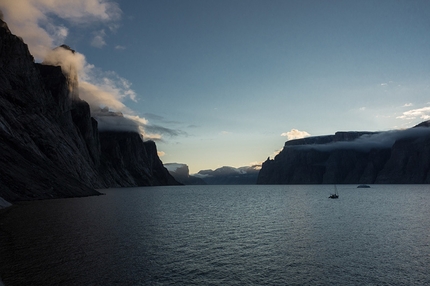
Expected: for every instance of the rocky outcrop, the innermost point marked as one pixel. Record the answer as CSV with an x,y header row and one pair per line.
x,y
353,158
49,144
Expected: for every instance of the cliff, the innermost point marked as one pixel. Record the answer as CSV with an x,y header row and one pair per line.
x,y
50,145
129,161
181,173
394,157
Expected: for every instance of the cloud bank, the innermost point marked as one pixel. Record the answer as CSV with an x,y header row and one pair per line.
x,y
371,141
423,113
117,121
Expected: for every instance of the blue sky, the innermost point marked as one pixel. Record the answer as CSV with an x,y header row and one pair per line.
x,y
220,81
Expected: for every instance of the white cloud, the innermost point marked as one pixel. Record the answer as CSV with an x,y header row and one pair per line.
x,y
97,87
295,134
33,21
256,165
98,40
407,104
423,113
119,47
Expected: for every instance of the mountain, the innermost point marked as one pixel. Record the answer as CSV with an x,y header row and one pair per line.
x,y
181,173
230,176
50,145
222,176
392,157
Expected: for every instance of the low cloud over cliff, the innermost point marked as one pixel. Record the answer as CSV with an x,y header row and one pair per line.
x,y
370,141
44,25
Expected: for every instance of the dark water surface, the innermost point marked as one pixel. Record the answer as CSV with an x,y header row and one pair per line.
x,y
221,235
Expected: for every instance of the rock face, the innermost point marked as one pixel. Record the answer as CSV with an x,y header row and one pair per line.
x,y
49,144
396,157
129,161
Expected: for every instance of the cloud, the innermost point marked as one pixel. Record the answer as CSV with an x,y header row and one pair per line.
x,y
117,121
423,113
37,21
161,153
371,141
159,118
407,104
119,47
256,165
100,89
98,40
295,134
164,130
97,87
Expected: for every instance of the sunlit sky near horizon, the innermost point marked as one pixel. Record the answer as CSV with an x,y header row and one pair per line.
x,y
220,81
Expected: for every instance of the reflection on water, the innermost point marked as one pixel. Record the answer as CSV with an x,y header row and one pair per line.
x,y
222,235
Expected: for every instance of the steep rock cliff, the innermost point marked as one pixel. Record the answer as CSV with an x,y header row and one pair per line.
x,y
40,150
129,161
49,143
353,158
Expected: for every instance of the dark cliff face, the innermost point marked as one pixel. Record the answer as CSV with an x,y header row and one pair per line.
x,y
353,158
49,143
128,161
40,153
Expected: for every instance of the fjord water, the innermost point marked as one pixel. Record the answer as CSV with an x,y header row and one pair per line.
x,y
222,235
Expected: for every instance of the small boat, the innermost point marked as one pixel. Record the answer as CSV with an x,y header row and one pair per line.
x,y
363,186
335,195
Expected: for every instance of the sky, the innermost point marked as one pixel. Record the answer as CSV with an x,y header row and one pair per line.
x,y
226,83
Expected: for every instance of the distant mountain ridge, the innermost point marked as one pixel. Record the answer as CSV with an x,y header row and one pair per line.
x,y
392,157
181,173
226,175
50,145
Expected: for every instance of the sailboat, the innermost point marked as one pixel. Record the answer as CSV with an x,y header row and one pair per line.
x,y
335,195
